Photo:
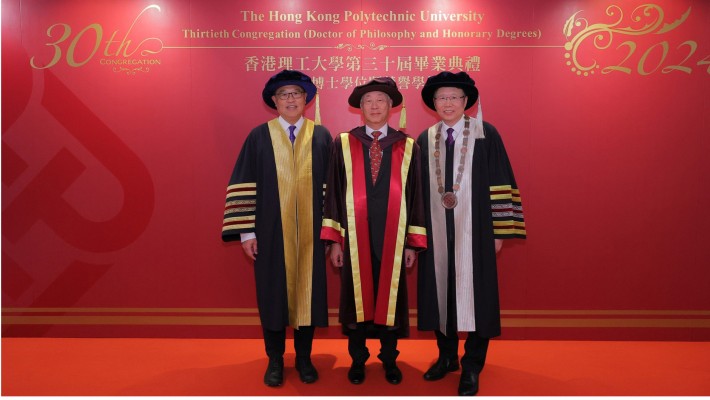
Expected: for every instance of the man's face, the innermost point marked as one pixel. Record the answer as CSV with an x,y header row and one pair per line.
x,y
290,107
375,108
450,103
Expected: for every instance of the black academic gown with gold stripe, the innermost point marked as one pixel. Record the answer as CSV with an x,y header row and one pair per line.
x,y
374,222
273,201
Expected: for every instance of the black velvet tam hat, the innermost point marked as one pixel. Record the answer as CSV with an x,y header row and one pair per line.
x,y
383,84
460,80
285,78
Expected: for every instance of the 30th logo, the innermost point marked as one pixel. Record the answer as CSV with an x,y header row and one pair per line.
x,y
122,53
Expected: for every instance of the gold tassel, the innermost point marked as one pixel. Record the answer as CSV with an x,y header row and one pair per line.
x,y
403,116
317,119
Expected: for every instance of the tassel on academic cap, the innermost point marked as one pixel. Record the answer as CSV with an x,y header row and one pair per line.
x,y
403,116
317,118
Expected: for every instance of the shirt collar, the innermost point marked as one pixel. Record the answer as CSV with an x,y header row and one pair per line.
x,y
458,127
383,129
285,124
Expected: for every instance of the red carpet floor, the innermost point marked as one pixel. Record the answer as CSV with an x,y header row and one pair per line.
x,y
194,367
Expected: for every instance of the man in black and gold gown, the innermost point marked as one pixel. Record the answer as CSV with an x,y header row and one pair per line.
x,y
274,207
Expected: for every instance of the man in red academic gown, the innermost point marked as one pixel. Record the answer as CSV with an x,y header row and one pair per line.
x,y
374,219
472,202
275,200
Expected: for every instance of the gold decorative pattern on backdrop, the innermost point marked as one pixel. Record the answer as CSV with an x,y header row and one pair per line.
x,y
659,319
635,56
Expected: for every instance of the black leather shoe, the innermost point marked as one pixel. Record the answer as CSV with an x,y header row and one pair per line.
x,y
441,367
468,385
356,374
274,375
392,373
306,371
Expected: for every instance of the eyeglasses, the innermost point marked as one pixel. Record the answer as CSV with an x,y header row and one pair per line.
x,y
448,98
286,95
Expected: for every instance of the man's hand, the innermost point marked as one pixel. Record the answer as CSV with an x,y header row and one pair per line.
x,y
250,248
409,257
336,255
499,245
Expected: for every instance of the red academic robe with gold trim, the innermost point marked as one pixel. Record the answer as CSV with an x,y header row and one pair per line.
x,y
374,223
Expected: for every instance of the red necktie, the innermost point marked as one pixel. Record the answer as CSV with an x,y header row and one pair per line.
x,y
375,156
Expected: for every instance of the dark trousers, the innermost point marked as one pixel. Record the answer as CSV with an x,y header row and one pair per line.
x,y
275,342
357,339
475,349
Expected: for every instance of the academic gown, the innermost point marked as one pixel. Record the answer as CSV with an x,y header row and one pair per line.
x,y
258,201
494,197
373,224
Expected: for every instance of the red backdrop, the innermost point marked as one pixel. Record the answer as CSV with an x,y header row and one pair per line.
x,y
121,122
